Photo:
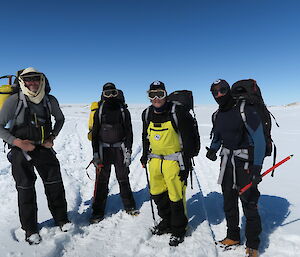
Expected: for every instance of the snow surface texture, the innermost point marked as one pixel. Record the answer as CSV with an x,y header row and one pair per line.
x,y
122,235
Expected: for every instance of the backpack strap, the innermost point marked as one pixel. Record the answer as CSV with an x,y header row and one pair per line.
x,y
173,112
147,115
21,103
242,111
123,113
47,104
100,111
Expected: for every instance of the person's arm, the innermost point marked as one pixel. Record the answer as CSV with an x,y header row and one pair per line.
x,y
58,116
128,130
190,137
257,138
7,115
145,140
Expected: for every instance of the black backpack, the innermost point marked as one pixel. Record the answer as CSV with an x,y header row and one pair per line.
x,y
248,92
185,98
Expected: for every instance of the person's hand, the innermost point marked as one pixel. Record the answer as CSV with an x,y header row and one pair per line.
x,y
26,145
144,160
48,143
211,154
127,157
255,174
183,174
96,160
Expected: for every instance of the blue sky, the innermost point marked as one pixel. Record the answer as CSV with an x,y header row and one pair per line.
x,y
187,44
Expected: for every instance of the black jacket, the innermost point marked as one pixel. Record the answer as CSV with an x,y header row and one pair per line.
x,y
112,114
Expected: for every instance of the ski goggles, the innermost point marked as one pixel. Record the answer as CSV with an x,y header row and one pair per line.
x,y
159,94
31,78
110,93
216,90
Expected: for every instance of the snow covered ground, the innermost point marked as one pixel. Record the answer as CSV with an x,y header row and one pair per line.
x,y
122,235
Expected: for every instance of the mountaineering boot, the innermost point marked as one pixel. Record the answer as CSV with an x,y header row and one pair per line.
x,y
132,212
228,242
33,238
64,225
163,227
251,252
176,240
96,218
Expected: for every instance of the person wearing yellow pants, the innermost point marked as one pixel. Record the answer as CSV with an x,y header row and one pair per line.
x,y
168,146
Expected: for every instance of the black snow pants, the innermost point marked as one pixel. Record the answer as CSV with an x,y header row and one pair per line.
x,y
47,166
249,204
172,213
112,155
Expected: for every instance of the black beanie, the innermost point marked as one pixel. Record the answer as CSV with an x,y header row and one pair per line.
x,y
157,85
109,85
220,83
226,101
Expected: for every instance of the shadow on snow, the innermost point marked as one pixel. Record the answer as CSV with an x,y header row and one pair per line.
x,y
273,211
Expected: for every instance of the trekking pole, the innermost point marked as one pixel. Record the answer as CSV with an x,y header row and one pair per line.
x,y
151,200
244,189
192,168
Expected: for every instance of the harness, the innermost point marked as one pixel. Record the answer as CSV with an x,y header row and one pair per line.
x,y
241,154
171,157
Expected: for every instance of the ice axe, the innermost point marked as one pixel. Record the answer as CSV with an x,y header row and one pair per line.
x,y
245,188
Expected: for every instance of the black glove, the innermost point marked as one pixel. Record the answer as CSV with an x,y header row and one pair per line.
x,y
255,174
144,160
183,174
211,154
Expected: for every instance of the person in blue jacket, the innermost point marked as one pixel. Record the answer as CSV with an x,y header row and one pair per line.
x,y
242,154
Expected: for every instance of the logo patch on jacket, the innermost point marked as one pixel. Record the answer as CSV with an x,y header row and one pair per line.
x,y
157,137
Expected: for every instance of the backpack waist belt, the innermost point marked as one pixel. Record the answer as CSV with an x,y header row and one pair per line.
x,y
241,154
170,157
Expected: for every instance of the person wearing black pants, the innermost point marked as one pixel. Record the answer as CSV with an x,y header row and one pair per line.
x,y
249,204
112,156
47,165
243,148
30,136
112,145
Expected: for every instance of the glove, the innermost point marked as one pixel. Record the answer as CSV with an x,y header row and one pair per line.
x,y
144,160
211,154
183,174
127,157
255,174
96,160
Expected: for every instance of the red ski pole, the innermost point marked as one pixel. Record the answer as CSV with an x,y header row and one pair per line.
x,y
245,188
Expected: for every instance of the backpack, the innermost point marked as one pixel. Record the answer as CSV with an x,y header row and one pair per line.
x,y
5,90
248,92
99,105
185,98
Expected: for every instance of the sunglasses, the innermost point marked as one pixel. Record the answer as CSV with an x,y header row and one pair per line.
x,y
159,94
222,90
32,78
110,93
